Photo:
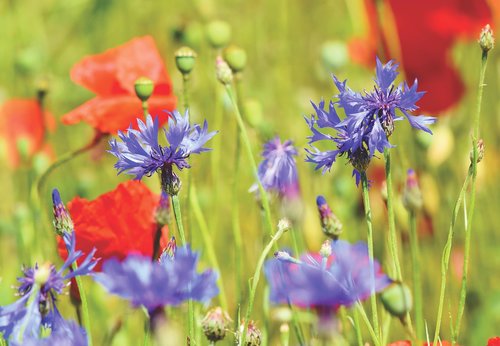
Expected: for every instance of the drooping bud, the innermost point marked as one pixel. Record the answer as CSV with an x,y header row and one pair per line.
x,y
223,71
397,299
162,213
253,334
216,324
185,59
236,58
330,224
412,196
144,88
486,39
480,151
63,223
284,225
218,33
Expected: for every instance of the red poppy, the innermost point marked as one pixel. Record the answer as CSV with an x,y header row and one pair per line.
x,y
116,223
427,31
111,76
23,119
494,341
408,343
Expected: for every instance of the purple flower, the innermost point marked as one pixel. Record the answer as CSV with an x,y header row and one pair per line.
x,y
170,281
325,283
39,288
278,171
369,120
139,153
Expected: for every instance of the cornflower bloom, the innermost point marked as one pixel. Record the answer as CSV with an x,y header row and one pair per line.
x,y
140,154
339,276
369,120
39,287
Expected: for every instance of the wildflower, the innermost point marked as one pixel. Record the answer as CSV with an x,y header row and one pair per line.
x,y
253,334
117,223
140,154
111,76
169,281
325,283
278,171
39,288
216,324
23,126
67,333
486,39
494,341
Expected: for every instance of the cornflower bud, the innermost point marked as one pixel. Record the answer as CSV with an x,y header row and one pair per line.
x,y
330,224
486,39
185,59
412,196
235,57
218,33
216,324
62,219
253,337
143,88
397,299
480,151
223,71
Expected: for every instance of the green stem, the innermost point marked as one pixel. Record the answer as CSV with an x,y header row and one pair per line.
x,y
417,282
85,307
468,232
371,330
185,93
357,327
368,216
296,325
147,332
253,165
255,281
445,261
390,210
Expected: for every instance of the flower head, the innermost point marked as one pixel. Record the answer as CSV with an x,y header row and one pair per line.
x,y
494,341
170,281
325,283
111,76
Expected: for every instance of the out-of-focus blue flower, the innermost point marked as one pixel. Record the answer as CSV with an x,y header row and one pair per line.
x,y
39,288
369,120
325,283
139,153
170,281
278,171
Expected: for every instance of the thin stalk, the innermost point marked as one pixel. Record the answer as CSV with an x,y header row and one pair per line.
x,y
371,330
417,281
145,108
253,165
296,325
255,281
357,327
185,89
208,244
390,211
85,306
147,332
445,261
468,232
368,216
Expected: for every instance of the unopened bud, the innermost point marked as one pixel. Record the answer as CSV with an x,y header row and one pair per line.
x,y
480,152
162,213
236,58
223,71
218,33
62,219
216,324
144,88
284,225
253,335
397,299
330,224
326,249
412,196
486,39
185,59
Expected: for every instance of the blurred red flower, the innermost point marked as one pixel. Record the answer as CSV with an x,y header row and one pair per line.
x,y
426,33
494,341
408,343
111,76
116,223
24,120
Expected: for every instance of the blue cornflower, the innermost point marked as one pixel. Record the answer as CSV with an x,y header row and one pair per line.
x,y
39,287
140,153
340,276
369,120
169,281
278,171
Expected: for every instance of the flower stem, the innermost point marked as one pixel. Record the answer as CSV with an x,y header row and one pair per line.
x,y
392,223
85,307
357,327
468,231
255,281
417,282
368,216
371,330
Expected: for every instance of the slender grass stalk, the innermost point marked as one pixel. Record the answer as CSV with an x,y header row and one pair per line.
x,y
357,327
468,232
368,216
85,306
296,325
417,281
255,281
393,242
371,330
147,331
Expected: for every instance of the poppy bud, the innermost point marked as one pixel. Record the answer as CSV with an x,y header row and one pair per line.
x,y
253,337
216,324
185,59
218,33
330,224
144,88
412,196
223,71
397,299
480,152
486,39
236,58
